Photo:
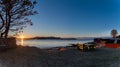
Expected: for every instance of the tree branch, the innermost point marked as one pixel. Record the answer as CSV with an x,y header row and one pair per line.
x,y
3,22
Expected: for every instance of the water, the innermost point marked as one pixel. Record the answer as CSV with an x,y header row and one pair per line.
x,y
50,43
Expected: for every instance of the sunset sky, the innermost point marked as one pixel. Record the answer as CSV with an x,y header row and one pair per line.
x,y
75,18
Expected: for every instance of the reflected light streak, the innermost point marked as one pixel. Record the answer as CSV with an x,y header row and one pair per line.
x,y
22,38
22,41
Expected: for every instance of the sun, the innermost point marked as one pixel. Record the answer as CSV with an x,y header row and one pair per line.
x,y
22,37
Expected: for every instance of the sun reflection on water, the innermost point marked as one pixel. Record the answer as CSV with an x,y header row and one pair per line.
x,y
22,40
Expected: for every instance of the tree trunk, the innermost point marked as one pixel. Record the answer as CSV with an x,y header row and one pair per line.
x,y
1,35
8,21
6,33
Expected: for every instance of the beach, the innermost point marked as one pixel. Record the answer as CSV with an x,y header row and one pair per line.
x,y
56,57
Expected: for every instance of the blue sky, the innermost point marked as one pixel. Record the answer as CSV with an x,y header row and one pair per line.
x,y
75,18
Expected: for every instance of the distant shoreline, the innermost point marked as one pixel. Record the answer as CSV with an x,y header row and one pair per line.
x,y
57,38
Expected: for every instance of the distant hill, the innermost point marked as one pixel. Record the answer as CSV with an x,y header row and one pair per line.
x,y
60,38
51,38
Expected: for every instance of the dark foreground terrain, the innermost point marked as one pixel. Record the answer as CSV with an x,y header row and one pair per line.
x,y
67,57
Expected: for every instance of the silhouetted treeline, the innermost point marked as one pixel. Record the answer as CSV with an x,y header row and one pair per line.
x,y
52,38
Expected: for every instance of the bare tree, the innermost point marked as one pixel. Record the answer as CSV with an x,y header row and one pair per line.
x,y
14,15
114,33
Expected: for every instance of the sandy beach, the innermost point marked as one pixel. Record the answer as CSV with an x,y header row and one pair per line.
x,y
69,57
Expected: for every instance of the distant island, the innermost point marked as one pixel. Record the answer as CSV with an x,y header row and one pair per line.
x,y
59,38
51,38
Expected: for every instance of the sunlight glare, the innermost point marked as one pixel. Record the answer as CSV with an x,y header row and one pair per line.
x,y
22,37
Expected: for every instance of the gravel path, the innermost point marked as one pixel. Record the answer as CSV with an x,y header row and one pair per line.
x,y
71,57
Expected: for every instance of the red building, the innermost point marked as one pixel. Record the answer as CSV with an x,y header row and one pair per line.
x,y
108,43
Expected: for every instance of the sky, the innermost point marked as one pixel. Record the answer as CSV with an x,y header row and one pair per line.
x,y
75,18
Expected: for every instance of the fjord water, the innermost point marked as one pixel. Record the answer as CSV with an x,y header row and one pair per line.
x,y
50,43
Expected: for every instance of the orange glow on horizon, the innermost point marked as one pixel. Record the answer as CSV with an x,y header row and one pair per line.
x,y
22,37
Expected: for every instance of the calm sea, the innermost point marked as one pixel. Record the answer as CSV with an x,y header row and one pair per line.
x,y
50,43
